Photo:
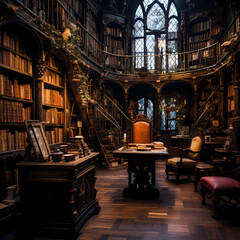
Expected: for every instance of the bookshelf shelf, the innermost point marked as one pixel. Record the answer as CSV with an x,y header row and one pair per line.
x,y
15,52
16,89
199,38
54,100
54,70
53,86
52,106
15,70
53,125
16,99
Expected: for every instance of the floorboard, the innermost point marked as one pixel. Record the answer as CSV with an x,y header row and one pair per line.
x,y
176,214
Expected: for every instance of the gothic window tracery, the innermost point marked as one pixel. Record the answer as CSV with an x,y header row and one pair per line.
x,y
155,21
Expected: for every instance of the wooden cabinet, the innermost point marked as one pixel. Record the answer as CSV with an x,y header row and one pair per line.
x,y
16,90
58,197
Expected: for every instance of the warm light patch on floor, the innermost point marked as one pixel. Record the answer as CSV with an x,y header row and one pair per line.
x,y
158,214
176,228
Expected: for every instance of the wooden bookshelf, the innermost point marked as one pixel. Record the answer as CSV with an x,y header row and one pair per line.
x,y
115,45
53,99
198,38
16,90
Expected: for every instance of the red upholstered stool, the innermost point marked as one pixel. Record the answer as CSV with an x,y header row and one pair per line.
x,y
219,186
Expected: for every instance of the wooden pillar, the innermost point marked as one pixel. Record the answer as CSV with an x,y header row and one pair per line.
x,y
126,104
39,88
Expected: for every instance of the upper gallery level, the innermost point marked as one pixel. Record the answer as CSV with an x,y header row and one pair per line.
x,y
156,37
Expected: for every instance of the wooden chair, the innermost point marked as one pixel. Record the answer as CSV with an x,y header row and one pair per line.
x,y
141,129
185,163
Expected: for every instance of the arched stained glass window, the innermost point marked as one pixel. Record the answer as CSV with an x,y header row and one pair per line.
x,y
146,3
138,30
157,37
168,114
145,105
164,2
139,12
172,11
155,18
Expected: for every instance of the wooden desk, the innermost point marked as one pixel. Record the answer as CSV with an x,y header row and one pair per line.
x,y
58,197
141,171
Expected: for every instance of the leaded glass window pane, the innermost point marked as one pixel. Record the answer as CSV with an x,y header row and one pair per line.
x,y
172,28
172,11
149,109
141,104
139,45
138,30
139,60
139,12
146,3
164,2
171,124
172,46
155,18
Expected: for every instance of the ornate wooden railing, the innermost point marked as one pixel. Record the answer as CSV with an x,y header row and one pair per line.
x,y
62,14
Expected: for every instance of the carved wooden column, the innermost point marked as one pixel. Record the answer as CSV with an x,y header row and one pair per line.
x,y
39,71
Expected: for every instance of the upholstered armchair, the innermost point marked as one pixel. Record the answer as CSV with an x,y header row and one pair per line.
x,y
185,163
141,130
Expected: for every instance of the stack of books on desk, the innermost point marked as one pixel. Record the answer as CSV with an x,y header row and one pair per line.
x,y
158,145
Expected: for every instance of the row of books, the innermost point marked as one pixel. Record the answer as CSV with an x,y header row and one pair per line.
x,y
230,90
199,37
55,135
10,140
53,116
54,63
114,31
14,88
52,97
198,55
114,42
52,77
114,50
15,61
13,112
201,26
199,45
231,105
12,41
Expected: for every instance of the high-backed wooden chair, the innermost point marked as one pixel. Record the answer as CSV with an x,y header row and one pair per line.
x,y
141,130
185,163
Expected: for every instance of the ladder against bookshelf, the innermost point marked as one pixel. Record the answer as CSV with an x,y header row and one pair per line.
x,y
115,46
53,99
198,38
16,89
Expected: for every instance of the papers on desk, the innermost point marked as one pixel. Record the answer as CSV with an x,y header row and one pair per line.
x,y
146,147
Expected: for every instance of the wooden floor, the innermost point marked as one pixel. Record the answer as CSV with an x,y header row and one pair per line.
x,y
176,214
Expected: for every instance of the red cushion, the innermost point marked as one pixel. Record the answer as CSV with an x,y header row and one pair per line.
x,y
221,185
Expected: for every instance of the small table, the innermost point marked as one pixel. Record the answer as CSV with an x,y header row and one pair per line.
x,y
141,171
